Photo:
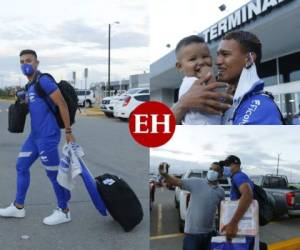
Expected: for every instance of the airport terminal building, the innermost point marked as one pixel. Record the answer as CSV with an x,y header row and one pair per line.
x,y
276,23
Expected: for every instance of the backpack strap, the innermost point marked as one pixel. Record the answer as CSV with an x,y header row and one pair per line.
x,y
269,94
41,92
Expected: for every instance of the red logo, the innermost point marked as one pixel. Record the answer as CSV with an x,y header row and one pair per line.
x,y
152,124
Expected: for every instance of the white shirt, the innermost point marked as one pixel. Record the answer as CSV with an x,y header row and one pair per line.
x,y
194,117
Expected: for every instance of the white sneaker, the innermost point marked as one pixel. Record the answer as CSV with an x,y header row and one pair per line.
x,y
57,217
12,211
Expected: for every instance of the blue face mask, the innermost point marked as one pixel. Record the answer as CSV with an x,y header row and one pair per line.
x,y
212,175
27,69
227,172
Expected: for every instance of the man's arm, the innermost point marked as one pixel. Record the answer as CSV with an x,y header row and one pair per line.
x,y
244,202
59,101
172,180
246,198
203,98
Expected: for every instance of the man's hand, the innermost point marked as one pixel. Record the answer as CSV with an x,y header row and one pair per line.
x,y
230,230
204,98
70,138
163,169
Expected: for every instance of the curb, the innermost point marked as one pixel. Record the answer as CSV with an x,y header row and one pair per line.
x,y
91,113
291,244
7,100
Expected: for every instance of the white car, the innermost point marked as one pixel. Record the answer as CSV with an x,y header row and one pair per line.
x,y
86,98
128,102
106,106
119,101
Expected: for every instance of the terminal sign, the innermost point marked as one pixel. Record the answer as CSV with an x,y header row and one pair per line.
x,y
237,18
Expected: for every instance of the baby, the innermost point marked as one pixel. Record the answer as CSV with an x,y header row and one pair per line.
x,y
193,59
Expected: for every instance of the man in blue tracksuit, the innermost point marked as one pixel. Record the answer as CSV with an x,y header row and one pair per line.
x,y
42,142
242,190
238,56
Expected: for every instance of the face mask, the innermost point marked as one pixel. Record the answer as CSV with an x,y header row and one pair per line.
x,y
212,175
227,172
27,69
247,80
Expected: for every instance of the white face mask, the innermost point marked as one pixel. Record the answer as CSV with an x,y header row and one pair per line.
x,y
212,175
247,79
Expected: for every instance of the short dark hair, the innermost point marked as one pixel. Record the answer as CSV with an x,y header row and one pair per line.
x,y
28,51
232,159
187,41
249,42
221,168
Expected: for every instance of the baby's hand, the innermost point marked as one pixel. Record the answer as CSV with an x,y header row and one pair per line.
x,y
203,71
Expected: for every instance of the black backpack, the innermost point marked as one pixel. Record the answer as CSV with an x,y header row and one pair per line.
x,y
265,207
17,116
120,200
68,93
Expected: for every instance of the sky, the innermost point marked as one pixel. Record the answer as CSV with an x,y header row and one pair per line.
x,y
172,20
257,147
71,35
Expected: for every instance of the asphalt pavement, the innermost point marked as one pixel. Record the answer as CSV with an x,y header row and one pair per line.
x,y
109,148
164,227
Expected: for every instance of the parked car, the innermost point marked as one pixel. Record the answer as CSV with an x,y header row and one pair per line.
x,y
86,98
128,102
286,200
106,106
137,91
120,100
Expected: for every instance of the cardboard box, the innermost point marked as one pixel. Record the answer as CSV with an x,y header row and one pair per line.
x,y
248,225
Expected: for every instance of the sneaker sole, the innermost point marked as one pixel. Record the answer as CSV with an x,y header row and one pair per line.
x,y
10,216
56,223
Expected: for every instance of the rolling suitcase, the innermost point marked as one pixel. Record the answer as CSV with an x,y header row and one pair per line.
x,y
120,200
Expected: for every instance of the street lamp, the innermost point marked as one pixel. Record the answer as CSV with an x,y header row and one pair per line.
x,y
109,34
278,157
222,7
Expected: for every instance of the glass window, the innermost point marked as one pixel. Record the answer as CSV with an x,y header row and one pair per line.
x,y
144,91
142,98
267,71
270,80
132,91
289,67
295,75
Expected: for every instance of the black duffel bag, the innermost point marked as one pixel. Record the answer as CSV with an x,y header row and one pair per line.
x,y
17,116
120,200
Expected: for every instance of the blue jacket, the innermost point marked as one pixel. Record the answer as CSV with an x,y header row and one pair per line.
x,y
254,108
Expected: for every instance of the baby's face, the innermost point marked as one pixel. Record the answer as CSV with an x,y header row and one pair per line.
x,y
192,58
